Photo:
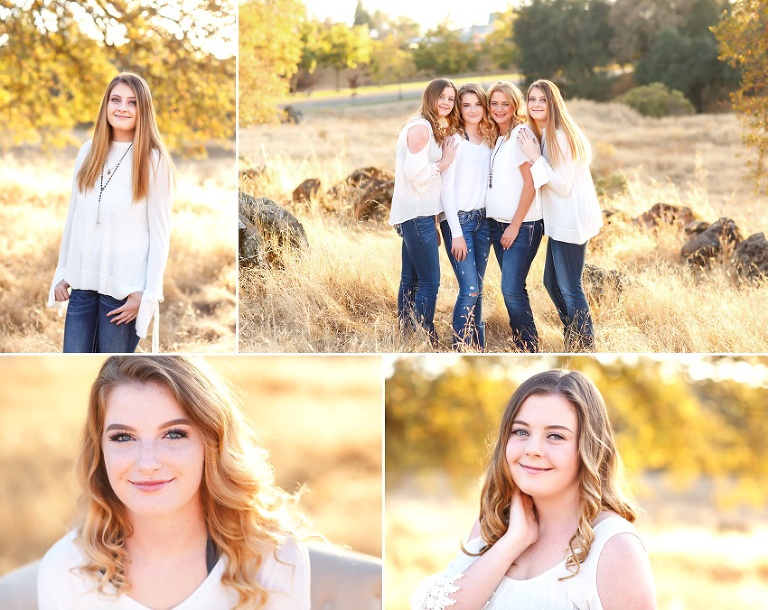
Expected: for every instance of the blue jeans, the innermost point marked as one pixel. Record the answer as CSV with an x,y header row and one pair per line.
x,y
88,330
562,279
468,325
515,263
419,276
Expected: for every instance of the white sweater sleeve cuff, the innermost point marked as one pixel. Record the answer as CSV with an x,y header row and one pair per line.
x,y
539,172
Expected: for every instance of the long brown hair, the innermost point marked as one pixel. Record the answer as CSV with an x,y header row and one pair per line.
x,y
428,110
146,140
246,514
486,128
559,118
601,474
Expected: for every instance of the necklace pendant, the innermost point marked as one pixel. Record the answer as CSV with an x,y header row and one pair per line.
x,y
109,172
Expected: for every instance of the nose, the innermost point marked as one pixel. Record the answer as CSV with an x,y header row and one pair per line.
x,y
148,460
533,447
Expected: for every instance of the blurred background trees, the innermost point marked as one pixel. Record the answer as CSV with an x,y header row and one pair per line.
x,y
711,51
684,417
57,57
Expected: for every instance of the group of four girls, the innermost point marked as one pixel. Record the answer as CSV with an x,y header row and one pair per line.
x,y
495,176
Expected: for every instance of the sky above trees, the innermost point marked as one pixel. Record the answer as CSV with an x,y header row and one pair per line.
x,y
461,13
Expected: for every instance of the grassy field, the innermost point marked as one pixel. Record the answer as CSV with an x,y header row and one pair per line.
x,y
700,558
199,311
340,295
320,417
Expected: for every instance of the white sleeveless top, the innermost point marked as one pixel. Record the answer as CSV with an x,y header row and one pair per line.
x,y
542,592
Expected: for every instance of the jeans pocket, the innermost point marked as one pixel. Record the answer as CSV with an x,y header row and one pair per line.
x,y
526,233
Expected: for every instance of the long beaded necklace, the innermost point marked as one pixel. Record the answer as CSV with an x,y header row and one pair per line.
x,y
110,174
496,149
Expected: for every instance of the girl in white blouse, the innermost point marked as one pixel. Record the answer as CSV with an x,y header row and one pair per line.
x,y
116,238
465,229
571,210
180,509
554,531
423,153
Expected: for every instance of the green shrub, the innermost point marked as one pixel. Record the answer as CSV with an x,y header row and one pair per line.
x,y
656,100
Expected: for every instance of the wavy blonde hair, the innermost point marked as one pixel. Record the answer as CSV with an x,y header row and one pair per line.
x,y
486,128
146,140
428,110
601,476
559,118
246,514
515,97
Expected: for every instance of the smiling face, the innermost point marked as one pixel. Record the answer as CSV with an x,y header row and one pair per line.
x,y
446,102
153,455
538,108
502,110
472,109
542,451
122,112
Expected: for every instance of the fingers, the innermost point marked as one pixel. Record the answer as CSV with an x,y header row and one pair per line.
x,y
122,315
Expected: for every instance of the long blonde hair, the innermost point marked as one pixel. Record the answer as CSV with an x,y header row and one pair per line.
x,y
146,139
428,110
515,98
559,118
601,476
246,514
486,128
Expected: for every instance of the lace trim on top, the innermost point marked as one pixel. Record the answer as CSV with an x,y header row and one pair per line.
x,y
435,596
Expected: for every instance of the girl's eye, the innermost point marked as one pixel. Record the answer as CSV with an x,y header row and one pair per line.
x,y
120,437
176,434
132,102
520,432
557,437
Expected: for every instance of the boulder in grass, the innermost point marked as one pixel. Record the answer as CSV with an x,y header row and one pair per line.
x,y
267,231
306,191
597,282
368,192
718,240
665,213
750,257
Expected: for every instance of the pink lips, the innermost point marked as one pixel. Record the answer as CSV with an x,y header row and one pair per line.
x,y
150,486
532,470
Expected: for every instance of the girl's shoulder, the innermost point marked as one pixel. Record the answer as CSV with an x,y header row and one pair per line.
x,y
62,556
415,121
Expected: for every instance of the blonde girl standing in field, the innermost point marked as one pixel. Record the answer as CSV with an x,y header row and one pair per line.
x,y
555,531
423,152
515,217
572,212
116,238
465,229
180,509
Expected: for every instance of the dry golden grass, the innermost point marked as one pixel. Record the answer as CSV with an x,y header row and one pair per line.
x,y
199,311
340,295
694,564
320,417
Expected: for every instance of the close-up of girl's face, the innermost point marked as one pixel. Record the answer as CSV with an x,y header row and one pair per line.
x,y
446,101
122,111
538,109
501,109
472,109
153,454
542,451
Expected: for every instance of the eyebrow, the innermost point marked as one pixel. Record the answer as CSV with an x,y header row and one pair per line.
x,y
130,97
551,427
168,424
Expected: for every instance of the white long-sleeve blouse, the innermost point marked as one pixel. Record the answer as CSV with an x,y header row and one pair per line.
x,y
569,202
417,177
465,181
126,251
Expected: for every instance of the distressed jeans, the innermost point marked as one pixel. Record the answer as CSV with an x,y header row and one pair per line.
x,y
468,325
88,330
